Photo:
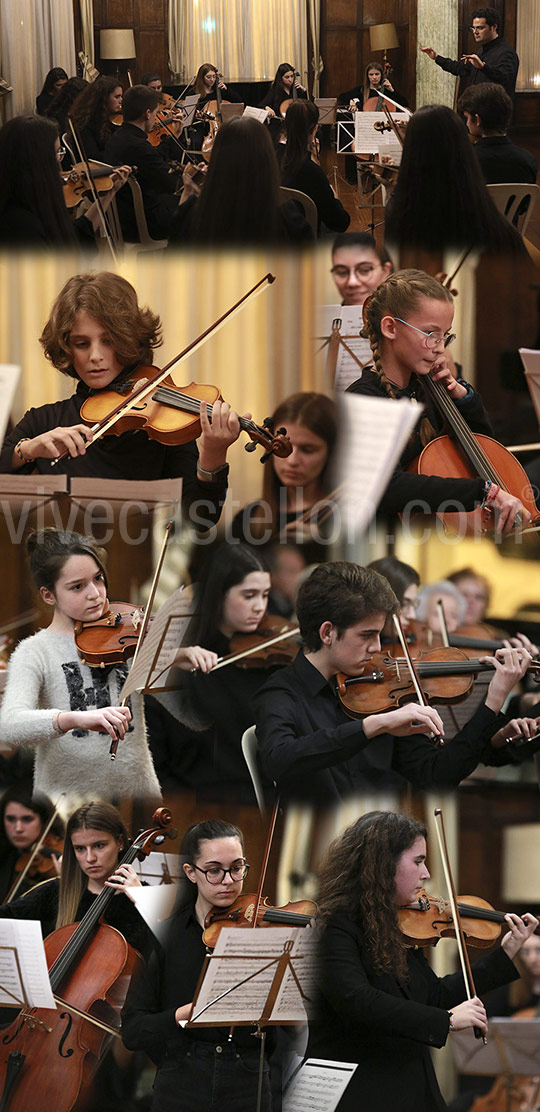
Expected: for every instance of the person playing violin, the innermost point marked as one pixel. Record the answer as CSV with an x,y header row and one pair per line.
x,y
59,706
306,743
94,113
128,144
96,334
54,81
408,320
33,210
23,818
197,1067
171,142
380,1003
233,594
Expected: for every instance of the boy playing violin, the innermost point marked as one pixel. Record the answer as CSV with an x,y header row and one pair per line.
x,y
309,746
97,333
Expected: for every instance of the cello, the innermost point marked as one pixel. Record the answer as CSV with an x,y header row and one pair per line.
x,y
90,968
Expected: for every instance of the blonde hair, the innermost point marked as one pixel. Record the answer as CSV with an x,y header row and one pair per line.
x,y
398,296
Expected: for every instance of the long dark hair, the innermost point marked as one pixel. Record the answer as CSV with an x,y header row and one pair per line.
x,y
225,568
277,84
433,205
91,107
357,880
73,882
302,116
55,74
239,201
29,176
367,87
63,100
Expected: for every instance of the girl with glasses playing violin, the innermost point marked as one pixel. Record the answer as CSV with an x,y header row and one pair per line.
x,y
197,1067
408,321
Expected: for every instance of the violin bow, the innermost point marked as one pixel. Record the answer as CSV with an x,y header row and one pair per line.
x,y
40,842
146,619
460,937
95,193
140,393
439,740
446,643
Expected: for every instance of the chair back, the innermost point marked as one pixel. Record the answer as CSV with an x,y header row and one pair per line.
x,y
308,205
515,200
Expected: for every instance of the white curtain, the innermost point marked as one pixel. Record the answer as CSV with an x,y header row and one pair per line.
x,y
528,45
35,35
315,24
245,39
87,23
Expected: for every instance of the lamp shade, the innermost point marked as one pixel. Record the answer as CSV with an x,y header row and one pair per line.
x,y
383,36
521,863
116,43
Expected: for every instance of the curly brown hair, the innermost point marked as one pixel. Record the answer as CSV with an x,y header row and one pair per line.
x,y
134,331
357,879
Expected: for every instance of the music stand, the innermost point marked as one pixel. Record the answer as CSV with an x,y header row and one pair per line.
x,y
327,109
513,1048
228,111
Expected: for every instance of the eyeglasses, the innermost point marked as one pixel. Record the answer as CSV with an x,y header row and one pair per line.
x,y
433,339
360,270
216,874
483,28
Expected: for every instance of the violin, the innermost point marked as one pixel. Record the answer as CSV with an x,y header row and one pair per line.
x,y
430,918
55,1053
273,644
43,865
247,911
447,675
110,639
75,183
172,414
471,639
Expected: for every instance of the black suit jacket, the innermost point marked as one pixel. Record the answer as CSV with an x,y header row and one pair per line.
x,y
385,1025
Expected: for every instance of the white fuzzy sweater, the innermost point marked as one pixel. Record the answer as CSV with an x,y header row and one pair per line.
x,y
45,676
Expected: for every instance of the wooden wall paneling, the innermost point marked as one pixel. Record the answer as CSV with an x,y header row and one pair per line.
x,y
345,35
484,811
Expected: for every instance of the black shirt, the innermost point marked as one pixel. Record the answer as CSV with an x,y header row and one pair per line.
x,y
129,456
428,490
128,146
168,982
313,751
501,65
501,161
311,179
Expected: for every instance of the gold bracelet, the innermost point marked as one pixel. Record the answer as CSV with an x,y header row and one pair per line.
x,y
17,449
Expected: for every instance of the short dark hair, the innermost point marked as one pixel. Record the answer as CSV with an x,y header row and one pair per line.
x,y
491,17
341,593
488,101
137,100
361,239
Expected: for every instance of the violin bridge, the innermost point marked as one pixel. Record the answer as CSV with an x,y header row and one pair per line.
x,y
34,1021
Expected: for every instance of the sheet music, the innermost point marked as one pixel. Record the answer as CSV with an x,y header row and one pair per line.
x,y
347,369
10,374
374,432
512,1046
318,1085
260,114
188,107
24,935
161,643
245,952
367,140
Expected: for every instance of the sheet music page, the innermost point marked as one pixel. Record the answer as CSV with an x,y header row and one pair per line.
x,y
155,904
260,114
348,369
188,107
366,136
10,374
374,432
305,948
25,936
239,954
163,638
318,1085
